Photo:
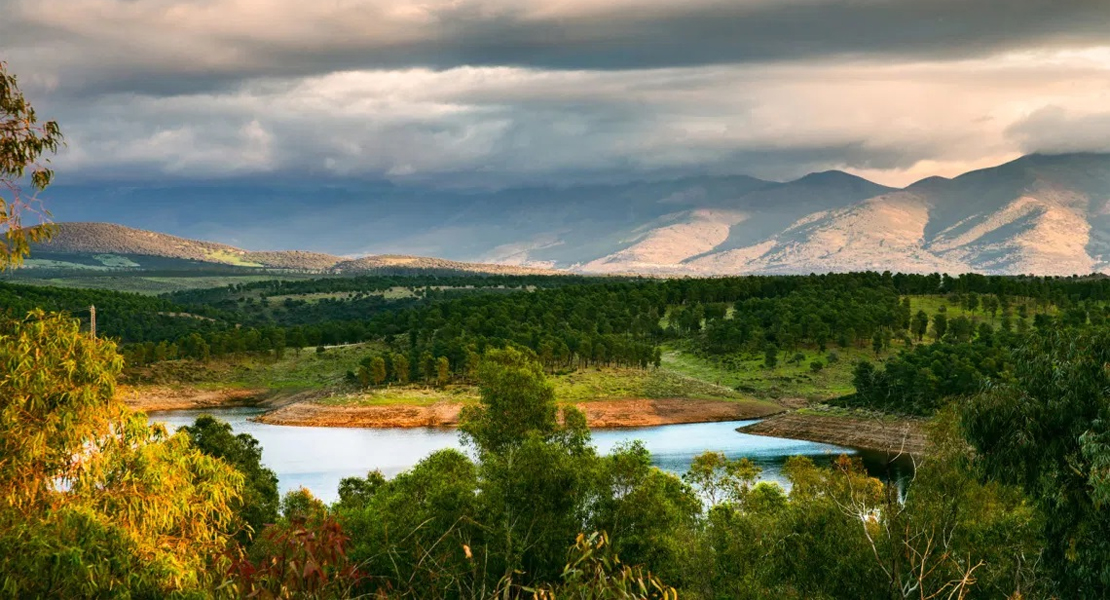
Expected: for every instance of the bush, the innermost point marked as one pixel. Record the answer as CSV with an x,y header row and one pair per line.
x,y
816,366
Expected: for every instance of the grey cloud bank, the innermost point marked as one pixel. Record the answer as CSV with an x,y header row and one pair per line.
x,y
493,92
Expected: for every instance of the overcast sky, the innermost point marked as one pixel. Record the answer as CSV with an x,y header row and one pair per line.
x,y
499,92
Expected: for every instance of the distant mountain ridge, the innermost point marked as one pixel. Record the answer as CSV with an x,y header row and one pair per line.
x,y
99,239
1042,214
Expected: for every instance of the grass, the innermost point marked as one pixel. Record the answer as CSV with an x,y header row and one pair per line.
x,y
45,263
115,261
746,373
825,410
409,395
616,383
931,305
230,258
305,370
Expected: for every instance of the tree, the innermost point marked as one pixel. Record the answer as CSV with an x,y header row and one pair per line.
x,y
92,498
401,368
972,302
23,142
920,324
427,367
516,399
940,325
770,356
1048,432
721,479
443,371
377,370
258,505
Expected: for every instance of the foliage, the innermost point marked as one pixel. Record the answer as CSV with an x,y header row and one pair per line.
x,y
91,497
1045,431
916,381
258,504
720,479
594,572
298,559
516,400
23,142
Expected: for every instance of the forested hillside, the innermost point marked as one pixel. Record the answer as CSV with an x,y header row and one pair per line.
x,y
912,340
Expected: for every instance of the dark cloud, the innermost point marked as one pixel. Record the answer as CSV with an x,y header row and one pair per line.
x,y
113,52
501,92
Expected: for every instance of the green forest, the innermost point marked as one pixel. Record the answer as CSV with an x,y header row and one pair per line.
x,y
1008,502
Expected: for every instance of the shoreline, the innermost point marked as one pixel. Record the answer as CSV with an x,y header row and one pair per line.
x,y
305,410
600,414
893,436
152,398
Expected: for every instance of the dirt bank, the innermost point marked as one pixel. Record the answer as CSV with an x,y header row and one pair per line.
x,y
902,435
440,414
599,414
671,411
156,397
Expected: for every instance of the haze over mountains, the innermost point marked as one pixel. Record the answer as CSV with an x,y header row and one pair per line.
x,y
1043,214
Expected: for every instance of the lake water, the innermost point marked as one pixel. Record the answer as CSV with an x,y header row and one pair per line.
x,y
318,457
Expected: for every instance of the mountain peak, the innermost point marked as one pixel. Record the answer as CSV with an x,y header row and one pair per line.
x,y
837,178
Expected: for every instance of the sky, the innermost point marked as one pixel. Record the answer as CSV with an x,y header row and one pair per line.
x,y
494,93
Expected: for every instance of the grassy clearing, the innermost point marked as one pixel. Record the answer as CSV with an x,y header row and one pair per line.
x,y
405,396
618,383
746,373
115,261
230,258
45,263
305,370
825,410
589,385
931,305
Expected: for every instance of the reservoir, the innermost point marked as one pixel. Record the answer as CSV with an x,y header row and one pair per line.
x,y
318,457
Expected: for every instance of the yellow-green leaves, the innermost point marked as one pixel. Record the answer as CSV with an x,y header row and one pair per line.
x,y
23,142
92,498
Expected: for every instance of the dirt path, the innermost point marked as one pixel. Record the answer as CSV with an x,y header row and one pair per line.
x,y
599,414
151,398
902,435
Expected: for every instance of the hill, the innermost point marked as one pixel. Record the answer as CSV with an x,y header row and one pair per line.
x,y
106,246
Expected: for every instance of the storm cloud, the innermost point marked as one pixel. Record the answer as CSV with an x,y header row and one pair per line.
x,y
496,92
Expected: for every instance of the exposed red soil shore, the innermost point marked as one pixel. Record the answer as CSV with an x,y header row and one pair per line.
x,y
600,414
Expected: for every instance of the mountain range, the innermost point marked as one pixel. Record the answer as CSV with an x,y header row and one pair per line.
x,y
1042,214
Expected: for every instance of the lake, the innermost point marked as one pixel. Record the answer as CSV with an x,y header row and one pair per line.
x,y
318,457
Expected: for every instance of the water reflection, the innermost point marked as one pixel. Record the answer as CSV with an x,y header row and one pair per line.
x,y
318,457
